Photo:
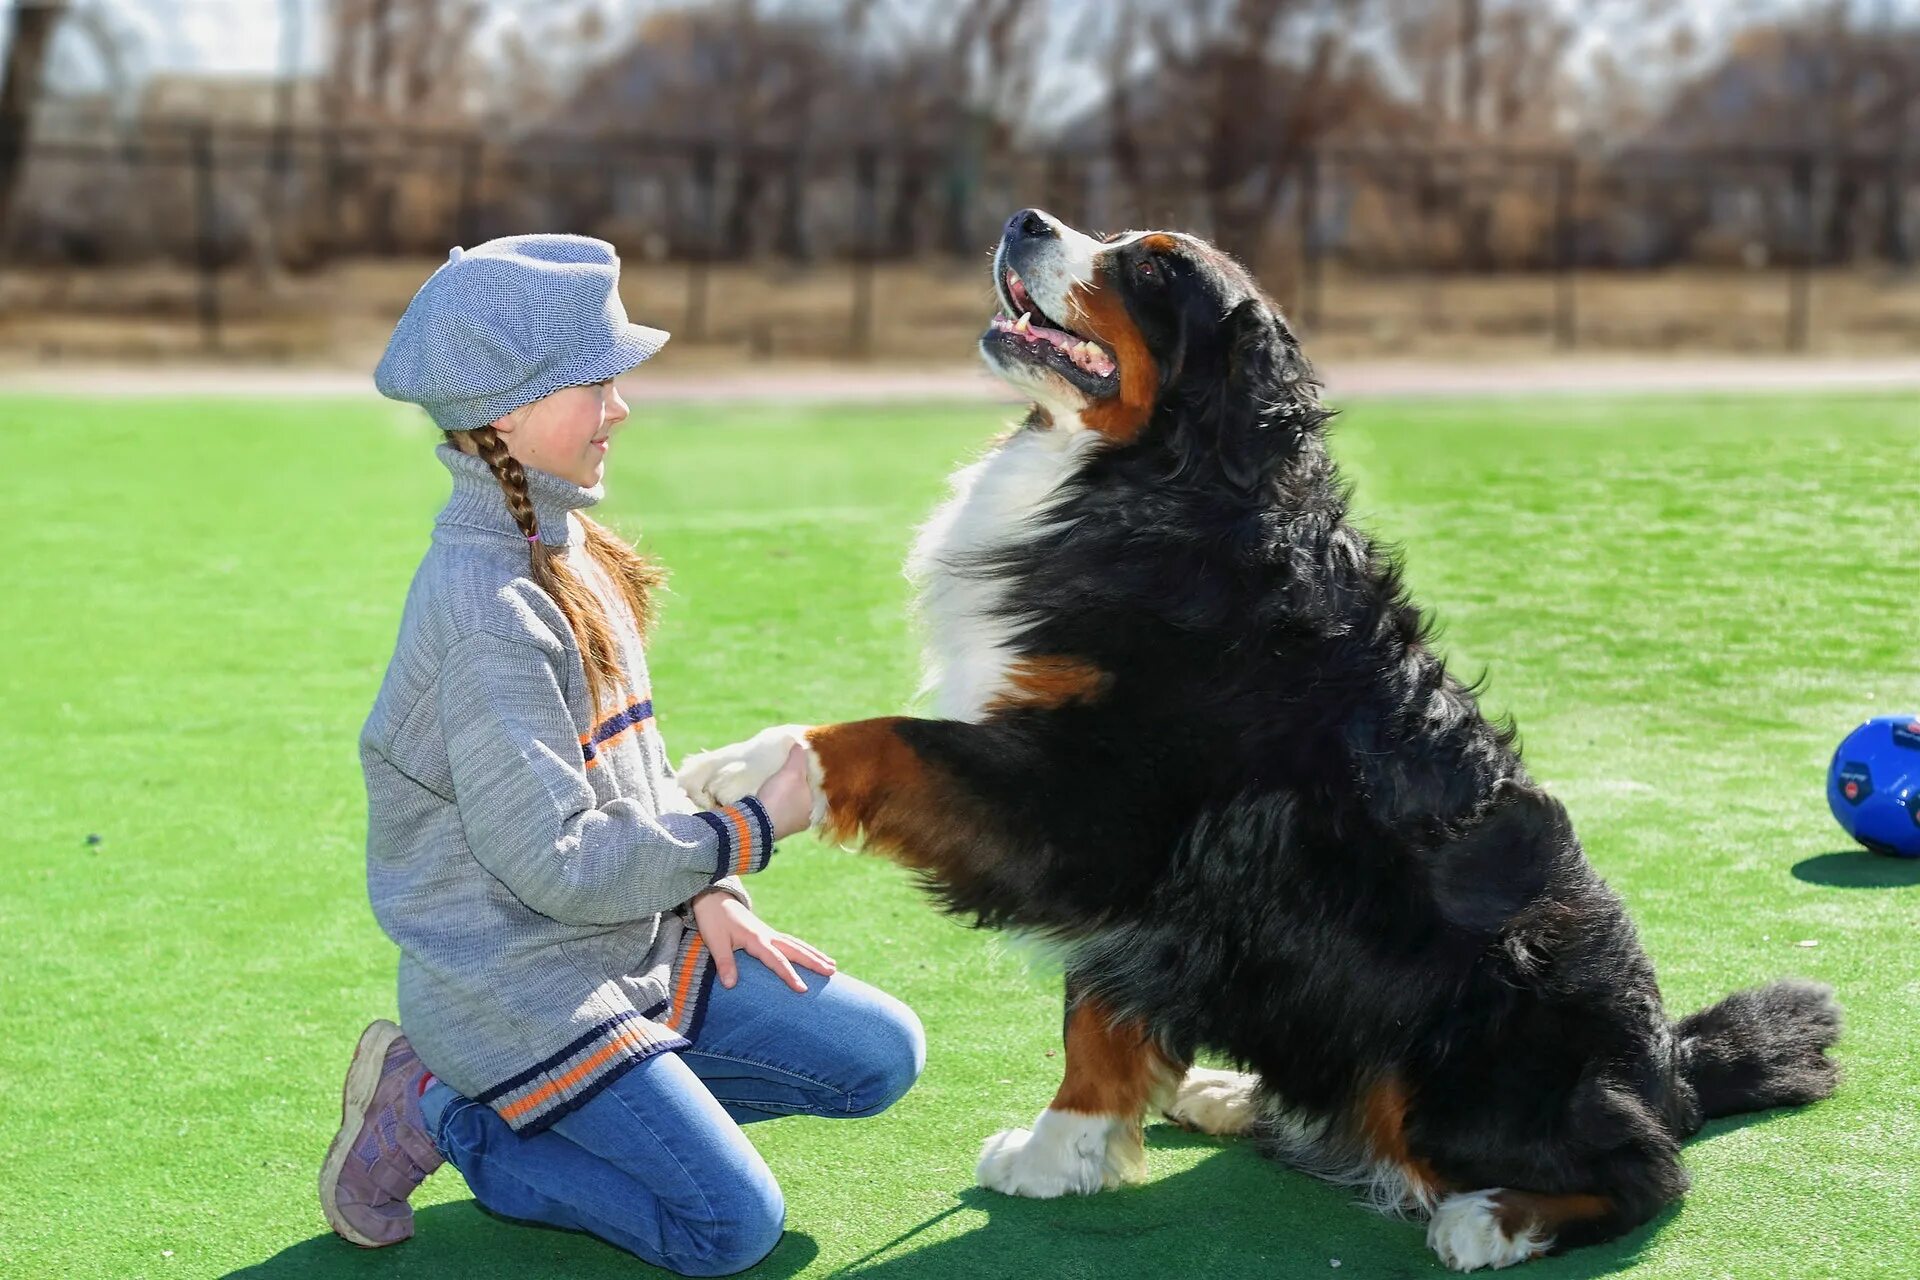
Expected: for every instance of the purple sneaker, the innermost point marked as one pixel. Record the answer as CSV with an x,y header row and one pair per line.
x,y
382,1151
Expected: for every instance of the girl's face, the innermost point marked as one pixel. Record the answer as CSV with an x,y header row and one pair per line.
x,y
567,433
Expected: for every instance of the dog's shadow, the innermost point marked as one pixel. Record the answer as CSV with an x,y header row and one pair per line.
x,y
1233,1214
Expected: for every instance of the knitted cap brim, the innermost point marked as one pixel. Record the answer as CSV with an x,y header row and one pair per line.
x,y
635,344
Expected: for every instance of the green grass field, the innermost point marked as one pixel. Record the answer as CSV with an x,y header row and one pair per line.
x,y
1685,603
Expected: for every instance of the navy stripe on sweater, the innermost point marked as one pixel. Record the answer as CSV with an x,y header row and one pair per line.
x,y
723,864
553,1060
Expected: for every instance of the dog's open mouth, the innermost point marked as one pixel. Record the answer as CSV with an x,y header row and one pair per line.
x,y
1038,338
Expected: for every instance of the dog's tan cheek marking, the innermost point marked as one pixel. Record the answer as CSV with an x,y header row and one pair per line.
x,y
1099,312
1049,682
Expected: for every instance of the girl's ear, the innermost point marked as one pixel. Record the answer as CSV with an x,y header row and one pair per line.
x,y
503,426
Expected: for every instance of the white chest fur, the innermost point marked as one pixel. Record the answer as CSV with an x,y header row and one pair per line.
x,y
995,503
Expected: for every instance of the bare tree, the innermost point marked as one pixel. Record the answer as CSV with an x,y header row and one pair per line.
x,y
30,29
398,63
1247,86
965,76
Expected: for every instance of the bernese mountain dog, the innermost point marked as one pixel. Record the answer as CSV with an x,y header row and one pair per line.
x,y
1189,728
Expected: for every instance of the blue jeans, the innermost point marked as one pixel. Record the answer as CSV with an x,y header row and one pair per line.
x,y
655,1163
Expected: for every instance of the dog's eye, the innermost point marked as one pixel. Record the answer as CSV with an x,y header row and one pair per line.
x,y
1145,266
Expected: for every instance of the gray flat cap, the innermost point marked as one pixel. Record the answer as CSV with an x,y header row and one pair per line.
x,y
509,321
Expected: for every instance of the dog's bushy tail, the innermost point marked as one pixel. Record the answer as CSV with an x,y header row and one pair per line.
x,y
1759,1048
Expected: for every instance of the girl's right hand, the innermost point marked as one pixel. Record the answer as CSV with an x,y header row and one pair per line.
x,y
788,797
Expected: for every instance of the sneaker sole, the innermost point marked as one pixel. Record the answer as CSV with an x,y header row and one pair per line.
x,y
363,1077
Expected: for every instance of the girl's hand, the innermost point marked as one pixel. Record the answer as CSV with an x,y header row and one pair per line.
x,y
726,925
788,797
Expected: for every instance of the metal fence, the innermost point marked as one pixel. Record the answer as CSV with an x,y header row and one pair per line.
x,y
210,197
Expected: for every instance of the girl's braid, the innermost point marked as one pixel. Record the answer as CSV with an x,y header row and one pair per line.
x,y
633,577
513,482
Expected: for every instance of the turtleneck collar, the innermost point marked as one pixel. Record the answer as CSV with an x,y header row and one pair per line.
x,y
478,502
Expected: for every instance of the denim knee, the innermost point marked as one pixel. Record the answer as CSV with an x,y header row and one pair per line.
x,y
894,1051
753,1218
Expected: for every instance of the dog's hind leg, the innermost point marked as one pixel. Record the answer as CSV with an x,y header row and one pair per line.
x,y
1089,1137
1499,1226
1224,1104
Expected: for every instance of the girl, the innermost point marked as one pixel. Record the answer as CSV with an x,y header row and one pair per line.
x,y
560,906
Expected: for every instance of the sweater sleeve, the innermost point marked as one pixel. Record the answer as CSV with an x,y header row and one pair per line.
x,y
735,886
528,806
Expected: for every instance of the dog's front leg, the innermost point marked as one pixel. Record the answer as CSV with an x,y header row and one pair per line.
x,y
1089,1136
996,816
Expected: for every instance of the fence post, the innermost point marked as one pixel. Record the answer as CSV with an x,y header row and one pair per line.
x,y
706,166
206,245
279,162
1309,238
335,186
866,176
1055,184
12,152
795,245
1566,177
467,228
960,185
1895,245
1800,277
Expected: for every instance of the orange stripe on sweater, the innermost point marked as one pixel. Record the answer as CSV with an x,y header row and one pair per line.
x,y
686,981
745,838
625,1040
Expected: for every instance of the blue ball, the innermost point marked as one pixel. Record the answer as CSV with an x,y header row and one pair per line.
x,y
1873,785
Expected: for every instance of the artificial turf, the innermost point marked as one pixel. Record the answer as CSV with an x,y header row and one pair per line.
x,y
1684,602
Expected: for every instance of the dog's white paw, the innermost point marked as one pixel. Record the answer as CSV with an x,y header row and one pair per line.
x,y
1064,1154
1467,1235
730,774
1216,1102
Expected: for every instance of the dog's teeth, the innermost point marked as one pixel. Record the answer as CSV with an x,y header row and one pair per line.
x,y
1024,323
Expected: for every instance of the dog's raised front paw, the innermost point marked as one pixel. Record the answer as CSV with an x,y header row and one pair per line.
x,y
730,774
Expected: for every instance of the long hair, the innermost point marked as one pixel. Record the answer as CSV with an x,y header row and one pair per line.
x,y
633,575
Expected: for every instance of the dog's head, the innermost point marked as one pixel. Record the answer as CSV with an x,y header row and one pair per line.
x,y
1150,329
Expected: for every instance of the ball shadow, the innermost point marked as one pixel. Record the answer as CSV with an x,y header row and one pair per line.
x,y
1858,869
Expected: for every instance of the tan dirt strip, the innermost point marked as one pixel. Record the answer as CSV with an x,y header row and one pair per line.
x,y
818,384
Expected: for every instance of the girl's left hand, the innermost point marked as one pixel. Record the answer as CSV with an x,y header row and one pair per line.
x,y
726,925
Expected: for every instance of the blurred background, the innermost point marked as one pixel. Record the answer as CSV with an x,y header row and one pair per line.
x,y
266,181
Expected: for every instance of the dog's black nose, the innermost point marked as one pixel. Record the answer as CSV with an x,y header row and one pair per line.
x,y
1030,224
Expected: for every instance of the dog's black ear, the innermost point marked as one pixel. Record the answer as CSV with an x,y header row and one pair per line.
x,y
1266,363
1243,400
1256,349
1252,336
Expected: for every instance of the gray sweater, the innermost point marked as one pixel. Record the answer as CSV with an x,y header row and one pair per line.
x,y
532,855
